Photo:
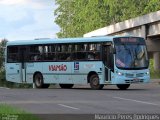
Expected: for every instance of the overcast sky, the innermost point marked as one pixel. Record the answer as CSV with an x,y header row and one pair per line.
x,y
27,19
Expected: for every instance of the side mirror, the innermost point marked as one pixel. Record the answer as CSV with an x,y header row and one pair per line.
x,y
148,61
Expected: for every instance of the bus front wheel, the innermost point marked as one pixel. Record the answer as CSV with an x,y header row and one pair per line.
x,y
123,86
94,82
38,80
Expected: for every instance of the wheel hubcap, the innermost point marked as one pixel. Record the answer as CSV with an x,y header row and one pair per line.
x,y
38,81
95,81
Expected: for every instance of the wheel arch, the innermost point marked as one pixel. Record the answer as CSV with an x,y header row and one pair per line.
x,y
37,72
90,74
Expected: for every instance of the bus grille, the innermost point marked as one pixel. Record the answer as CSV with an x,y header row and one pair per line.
x,y
140,75
135,81
129,75
134,75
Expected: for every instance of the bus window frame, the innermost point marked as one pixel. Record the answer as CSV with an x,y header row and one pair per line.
x,y
15,54
71,51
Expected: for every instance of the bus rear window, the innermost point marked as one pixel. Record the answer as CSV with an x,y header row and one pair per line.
x,y
12,54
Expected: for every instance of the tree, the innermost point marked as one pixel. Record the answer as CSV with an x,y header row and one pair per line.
x,y
120,10
2,48
77,17
152,6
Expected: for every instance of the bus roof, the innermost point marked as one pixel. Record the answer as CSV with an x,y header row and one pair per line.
x,y
60,40
63,40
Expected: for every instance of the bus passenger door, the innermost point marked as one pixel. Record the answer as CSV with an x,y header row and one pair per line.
x,y
107,57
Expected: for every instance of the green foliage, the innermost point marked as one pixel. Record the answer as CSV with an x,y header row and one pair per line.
x,y
77,17
2,73
6,109
2,48
154,74
10,113
4,83
2,77
153,5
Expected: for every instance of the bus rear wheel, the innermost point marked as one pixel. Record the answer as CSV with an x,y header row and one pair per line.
x,y
94,82
66,85
38,80
123,86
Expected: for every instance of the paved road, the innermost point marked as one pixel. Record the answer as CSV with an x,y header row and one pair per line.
x,y
144,98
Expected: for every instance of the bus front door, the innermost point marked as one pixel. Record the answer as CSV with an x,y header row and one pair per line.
x,y
107,57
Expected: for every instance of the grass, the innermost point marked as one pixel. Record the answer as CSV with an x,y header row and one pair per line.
x,y
10,113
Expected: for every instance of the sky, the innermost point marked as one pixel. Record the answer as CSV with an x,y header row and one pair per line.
x,y
27,19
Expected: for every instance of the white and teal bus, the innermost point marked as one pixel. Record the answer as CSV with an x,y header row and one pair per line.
x,y
98,61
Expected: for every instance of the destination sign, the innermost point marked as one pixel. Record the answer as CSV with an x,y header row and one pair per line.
x,y
129,40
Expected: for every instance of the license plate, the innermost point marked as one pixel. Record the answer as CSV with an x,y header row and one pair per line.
x,y
136,80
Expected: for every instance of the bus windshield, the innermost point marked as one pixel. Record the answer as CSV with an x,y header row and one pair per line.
x,y
131,56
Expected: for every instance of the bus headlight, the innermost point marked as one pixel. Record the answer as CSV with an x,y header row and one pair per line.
x,y
147,73
120,74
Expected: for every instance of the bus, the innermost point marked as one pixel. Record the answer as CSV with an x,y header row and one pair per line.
x,y
98,61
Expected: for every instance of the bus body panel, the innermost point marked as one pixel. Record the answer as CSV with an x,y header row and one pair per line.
x,y
13,72
65,72
31,69
80,71
130,76
57,72
70,72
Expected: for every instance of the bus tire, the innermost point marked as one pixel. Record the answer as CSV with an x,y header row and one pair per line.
x,y
38,80
123,86
94,82
66,85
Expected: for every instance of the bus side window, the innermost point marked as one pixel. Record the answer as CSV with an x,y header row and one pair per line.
x,y
91,56
97,55
63,52
49,52
74,55
94,51
80,51
35,53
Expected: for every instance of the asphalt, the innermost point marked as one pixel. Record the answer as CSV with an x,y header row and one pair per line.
x,y
81,101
